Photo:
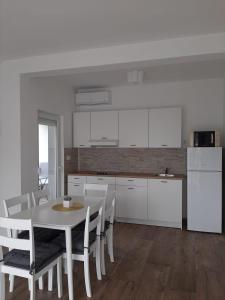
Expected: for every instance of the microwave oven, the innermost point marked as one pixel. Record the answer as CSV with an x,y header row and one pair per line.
x,y
205,138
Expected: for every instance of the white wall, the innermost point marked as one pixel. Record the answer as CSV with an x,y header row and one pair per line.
x,y
49,96
202,101
180,49
10,163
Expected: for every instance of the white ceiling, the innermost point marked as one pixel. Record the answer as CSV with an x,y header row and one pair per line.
x,y
156,73
34,27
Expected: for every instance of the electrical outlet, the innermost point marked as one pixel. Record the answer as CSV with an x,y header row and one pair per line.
x,y
68,157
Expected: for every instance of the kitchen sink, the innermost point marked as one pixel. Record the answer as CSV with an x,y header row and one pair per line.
x,y
165,175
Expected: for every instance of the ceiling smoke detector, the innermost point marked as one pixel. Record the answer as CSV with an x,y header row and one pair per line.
x,y
135,76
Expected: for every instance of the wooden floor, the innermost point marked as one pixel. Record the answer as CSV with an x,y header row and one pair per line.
x,y
152,263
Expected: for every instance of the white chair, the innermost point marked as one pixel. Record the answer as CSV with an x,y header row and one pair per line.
x,y
85,243
12,206
40,197
107,232
25,260
108,202
95,190
16,204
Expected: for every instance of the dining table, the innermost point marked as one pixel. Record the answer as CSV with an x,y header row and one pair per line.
x,y
46,217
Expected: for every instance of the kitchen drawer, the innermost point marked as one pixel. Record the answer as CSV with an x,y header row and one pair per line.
x,y
76,179
101,180
131,181
75,189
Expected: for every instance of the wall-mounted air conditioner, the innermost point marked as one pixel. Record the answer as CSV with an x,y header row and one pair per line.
x,y
93,97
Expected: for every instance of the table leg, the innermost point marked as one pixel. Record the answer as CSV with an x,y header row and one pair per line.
x,y
69,262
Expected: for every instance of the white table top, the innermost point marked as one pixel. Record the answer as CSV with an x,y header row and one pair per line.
x,y
45,216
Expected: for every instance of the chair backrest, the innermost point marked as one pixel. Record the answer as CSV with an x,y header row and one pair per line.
x,y
110,211
40,197
16,204
95,190
16,243
90,225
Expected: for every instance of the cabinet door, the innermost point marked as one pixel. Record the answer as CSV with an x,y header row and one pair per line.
x,y
75,189
131,202
81,129
165,200
104,125
165,127
111,181
133,128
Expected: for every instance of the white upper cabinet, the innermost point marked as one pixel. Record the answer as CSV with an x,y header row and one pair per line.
x,y
133,128
104,125
165,127
81,129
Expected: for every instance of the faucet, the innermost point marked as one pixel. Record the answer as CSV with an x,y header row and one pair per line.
x,y
167,171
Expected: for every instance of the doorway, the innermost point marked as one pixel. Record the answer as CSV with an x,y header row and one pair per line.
x,y
50,156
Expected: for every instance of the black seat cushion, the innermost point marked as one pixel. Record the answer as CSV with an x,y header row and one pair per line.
x,y
42,235
45,253
107,225
81,226
77,241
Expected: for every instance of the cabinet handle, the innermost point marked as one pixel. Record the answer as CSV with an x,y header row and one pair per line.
x,y
76,185
133,145
163,181
164,145
100,178
82,145
130,188
76,178
104,138
130,180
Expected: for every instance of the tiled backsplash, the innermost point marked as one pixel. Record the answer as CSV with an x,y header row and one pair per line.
x,y
126,160
71,160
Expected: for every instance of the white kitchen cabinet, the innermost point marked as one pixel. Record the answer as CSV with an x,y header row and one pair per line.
x,y
165,127
104,125
130,181
76,185
131,203
165,202
133,128
75,189
111,181
81,129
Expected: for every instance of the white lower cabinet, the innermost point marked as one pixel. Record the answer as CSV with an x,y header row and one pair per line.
x,y
138,200
111,181
131,202
76,185
165,202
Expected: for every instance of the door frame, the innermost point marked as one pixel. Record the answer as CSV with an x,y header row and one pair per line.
x,y
58,119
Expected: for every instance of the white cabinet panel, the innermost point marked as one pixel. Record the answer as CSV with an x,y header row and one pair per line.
x,y
111,181
165,127
76,179
104,125
131,181
165,202
75,189
81,129
133,128
131,202
101,179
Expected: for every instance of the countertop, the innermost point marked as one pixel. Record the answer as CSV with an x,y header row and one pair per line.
x,y
126,174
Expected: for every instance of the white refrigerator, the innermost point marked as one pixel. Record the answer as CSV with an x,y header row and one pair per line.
x,y
204,189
